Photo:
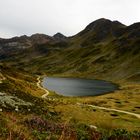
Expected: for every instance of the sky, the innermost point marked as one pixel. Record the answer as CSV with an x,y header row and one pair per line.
x,y
26,17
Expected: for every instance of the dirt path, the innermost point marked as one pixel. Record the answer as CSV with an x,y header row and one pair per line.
x,y
2,78
39,86
115,110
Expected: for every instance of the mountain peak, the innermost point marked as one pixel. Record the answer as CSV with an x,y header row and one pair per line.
x,y
101,29
98,22
40,38
38,35
103,23
102,20
59,36
117,23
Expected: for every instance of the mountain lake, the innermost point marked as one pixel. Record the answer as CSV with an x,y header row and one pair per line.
x,y
78,86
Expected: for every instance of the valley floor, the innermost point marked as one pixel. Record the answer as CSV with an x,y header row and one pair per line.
x,y
51,116
120,109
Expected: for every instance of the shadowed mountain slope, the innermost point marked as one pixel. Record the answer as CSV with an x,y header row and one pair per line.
x,y
104,49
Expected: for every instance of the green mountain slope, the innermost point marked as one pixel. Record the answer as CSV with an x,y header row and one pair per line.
x,y
104,49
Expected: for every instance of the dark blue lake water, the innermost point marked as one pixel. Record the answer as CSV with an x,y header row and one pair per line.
x,y
77,86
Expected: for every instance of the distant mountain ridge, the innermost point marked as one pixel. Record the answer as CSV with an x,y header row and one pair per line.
x,y
59,36
103,49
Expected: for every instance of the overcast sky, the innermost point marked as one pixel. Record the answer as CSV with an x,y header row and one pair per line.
x,y
18,17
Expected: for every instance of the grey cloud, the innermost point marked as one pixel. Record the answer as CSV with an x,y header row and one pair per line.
x,y
20,17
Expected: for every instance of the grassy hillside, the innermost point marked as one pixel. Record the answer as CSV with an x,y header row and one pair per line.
x,y
104,49
25,115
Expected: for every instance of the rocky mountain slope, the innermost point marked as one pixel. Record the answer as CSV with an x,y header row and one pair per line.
x,y
104,49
